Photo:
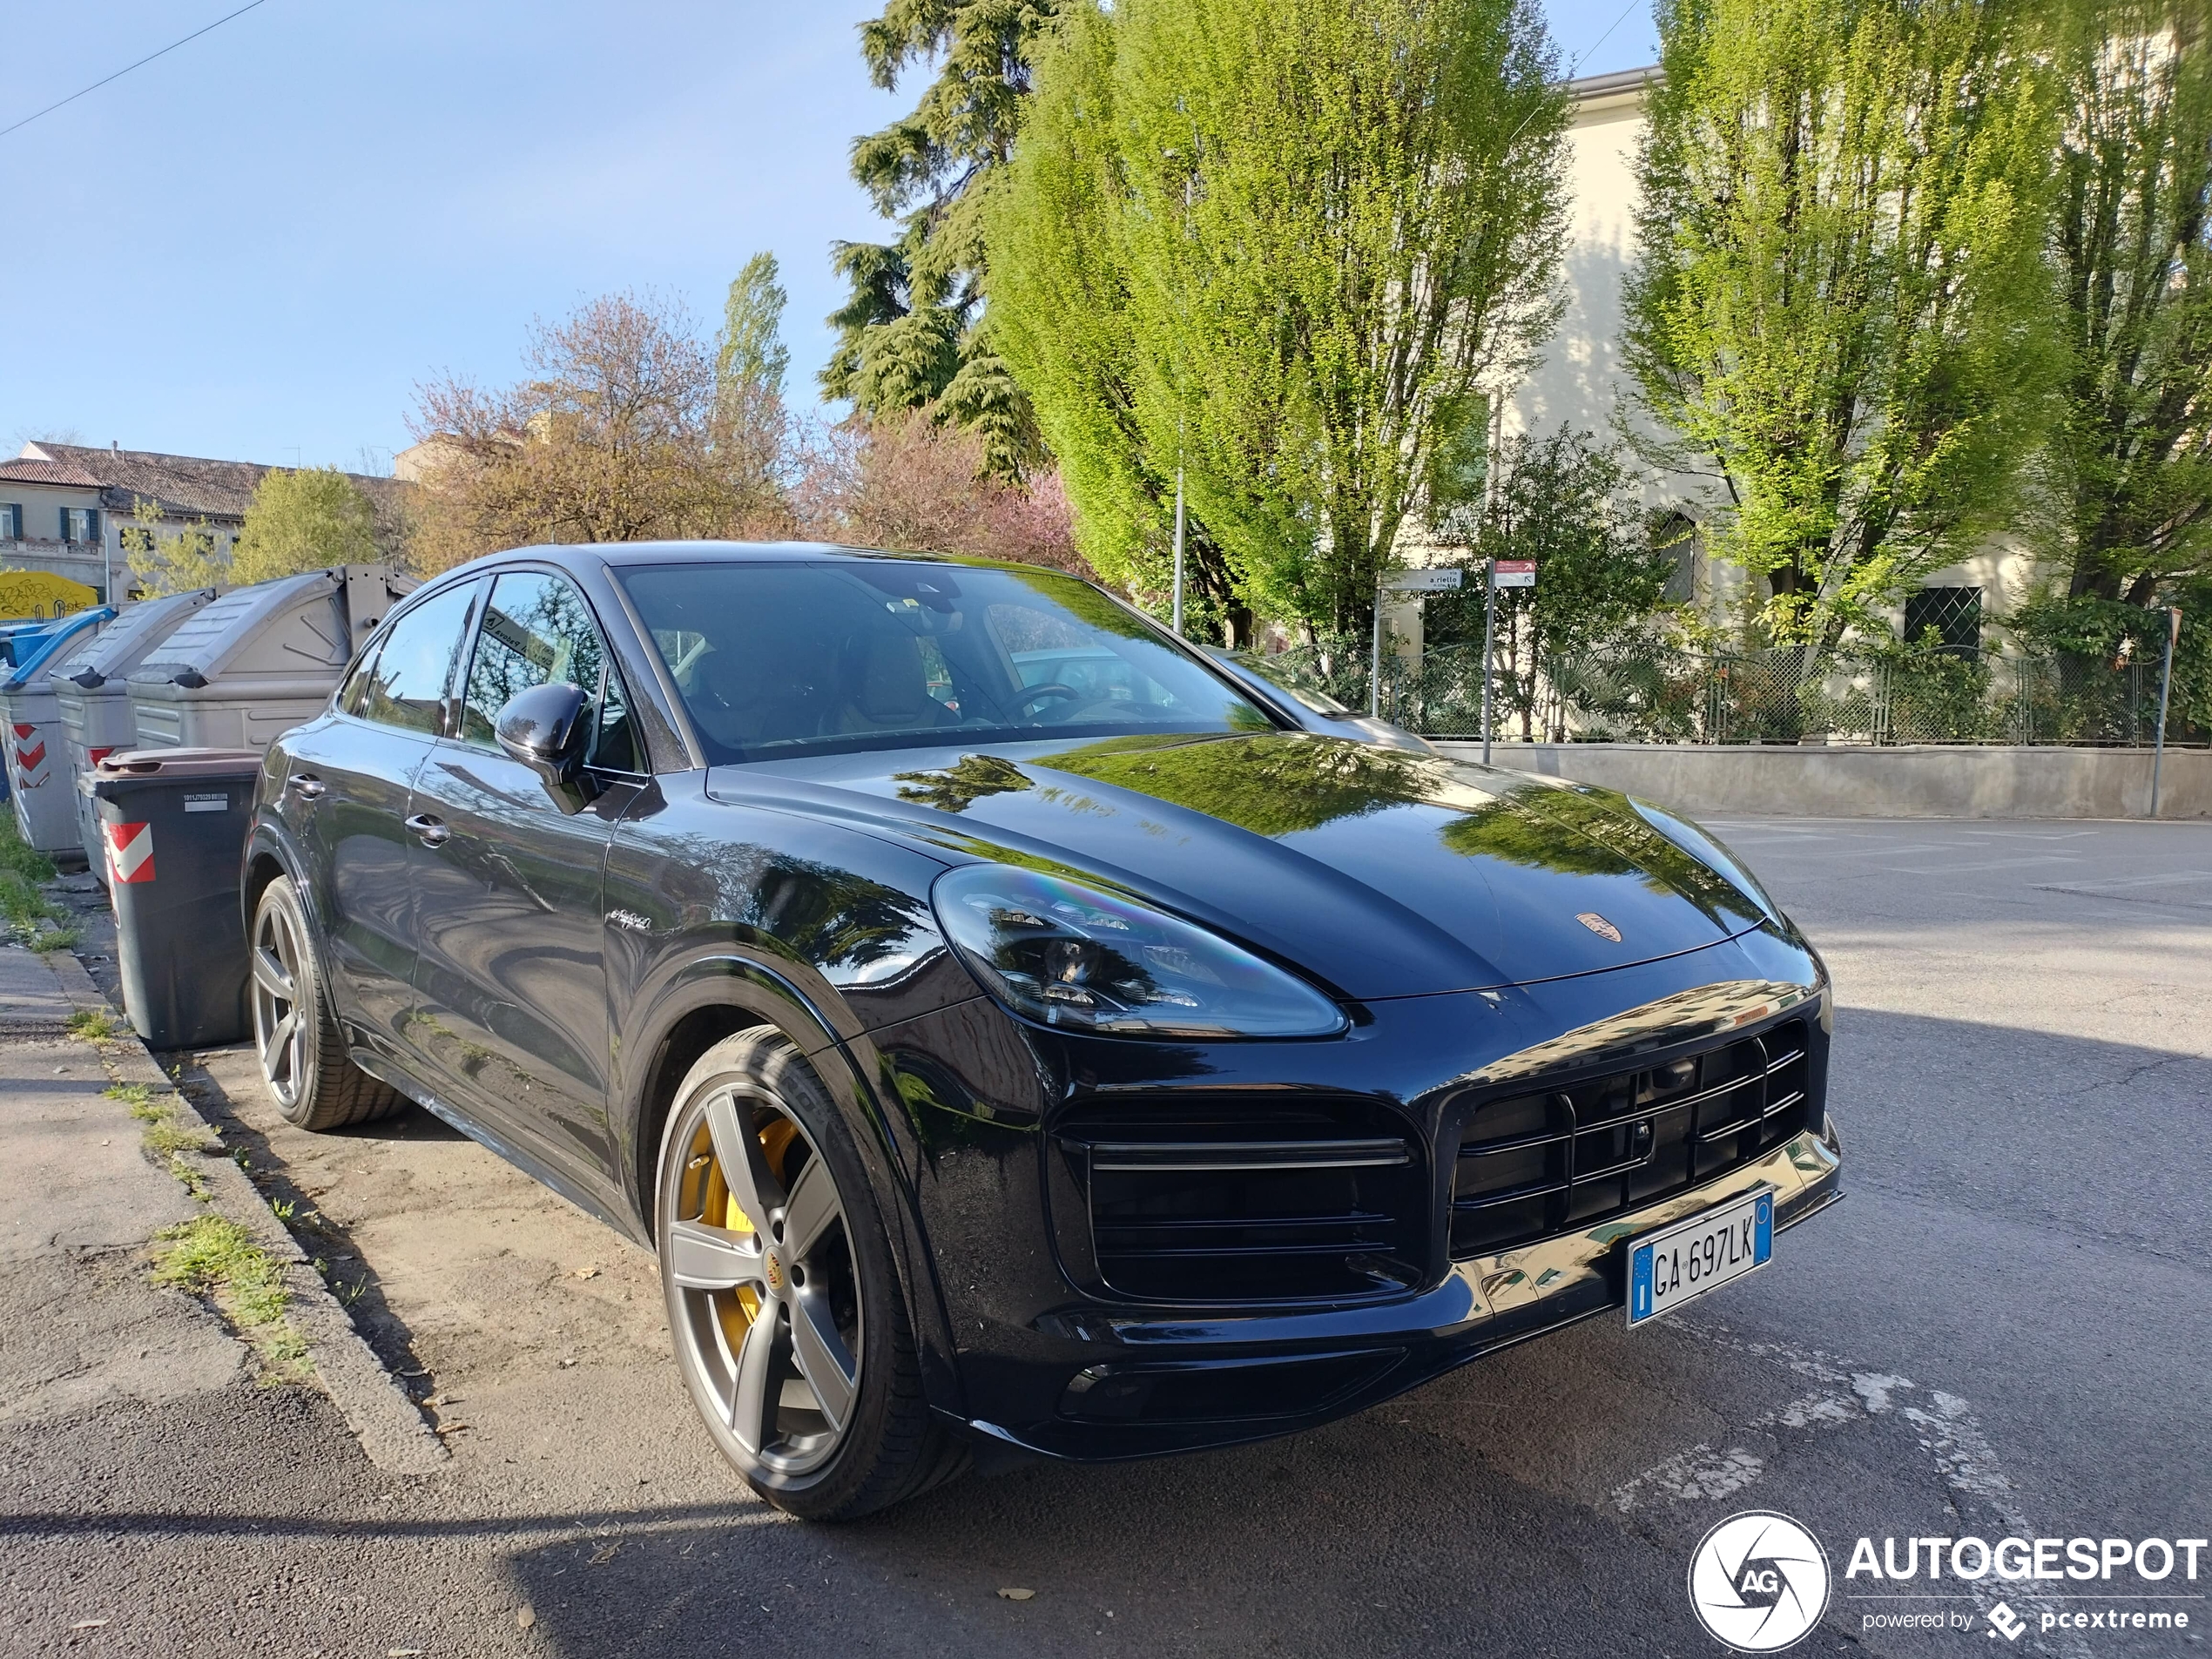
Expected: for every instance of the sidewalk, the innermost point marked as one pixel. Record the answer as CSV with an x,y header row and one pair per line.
x,y
80,1325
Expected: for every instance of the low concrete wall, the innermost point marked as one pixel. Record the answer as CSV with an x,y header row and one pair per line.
x,y
1914,781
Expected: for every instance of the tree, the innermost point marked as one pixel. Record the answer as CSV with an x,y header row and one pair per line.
x,y
750,356
306,520
1839,310
164,561
619,435
914,333
902,481
2132,238
1563,501
1283,243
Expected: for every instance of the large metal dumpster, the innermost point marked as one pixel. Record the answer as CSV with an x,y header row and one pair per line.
x,y
41,789
92,690
259,660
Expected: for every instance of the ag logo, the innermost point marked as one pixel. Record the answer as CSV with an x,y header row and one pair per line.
x,y
1758,1582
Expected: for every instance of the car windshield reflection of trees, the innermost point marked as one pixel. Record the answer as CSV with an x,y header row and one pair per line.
x,y
820,658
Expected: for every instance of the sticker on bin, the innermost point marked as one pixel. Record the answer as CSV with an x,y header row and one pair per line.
x,y
207,803
129,851
28,760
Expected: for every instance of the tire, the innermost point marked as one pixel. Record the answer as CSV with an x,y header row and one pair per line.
x,y
304,1062
789,1325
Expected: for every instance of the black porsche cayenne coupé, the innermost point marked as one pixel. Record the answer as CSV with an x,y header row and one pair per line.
x,y
1006,1027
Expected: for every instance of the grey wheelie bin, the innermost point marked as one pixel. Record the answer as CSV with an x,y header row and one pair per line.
x,y
93,689
172,823
259,660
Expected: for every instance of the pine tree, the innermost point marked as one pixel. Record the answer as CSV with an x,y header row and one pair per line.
x,y
916,331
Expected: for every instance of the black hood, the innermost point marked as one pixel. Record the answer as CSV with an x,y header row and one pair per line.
x,y
1381,872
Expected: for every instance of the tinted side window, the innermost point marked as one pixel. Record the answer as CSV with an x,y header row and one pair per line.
x,y
414,666
538,629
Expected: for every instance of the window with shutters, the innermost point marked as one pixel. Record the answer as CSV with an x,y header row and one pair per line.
x,y
10,522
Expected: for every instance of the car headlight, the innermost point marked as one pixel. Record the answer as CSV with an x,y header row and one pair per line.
x,y
1071,955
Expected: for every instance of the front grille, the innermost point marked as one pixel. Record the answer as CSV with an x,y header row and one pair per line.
x,y
1541,1163
1240,1205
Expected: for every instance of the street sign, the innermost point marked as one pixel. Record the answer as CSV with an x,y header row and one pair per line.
x,y
1422,581
1513,573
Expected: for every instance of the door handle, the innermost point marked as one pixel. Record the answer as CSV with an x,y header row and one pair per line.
x,y
306,785
432,830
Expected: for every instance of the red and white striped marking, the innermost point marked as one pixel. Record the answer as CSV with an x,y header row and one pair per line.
x,y
29,756
93,757
130,851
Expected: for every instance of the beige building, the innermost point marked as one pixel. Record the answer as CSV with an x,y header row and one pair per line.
x,y
65,507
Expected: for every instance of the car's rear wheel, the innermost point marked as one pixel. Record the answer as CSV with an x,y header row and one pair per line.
x,y
789,1323
304,1062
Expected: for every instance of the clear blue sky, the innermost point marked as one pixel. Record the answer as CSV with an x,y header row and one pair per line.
x,y
257,246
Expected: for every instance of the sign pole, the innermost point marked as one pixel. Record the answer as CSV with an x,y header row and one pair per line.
x,y
2165,691
1374,664
1177,623
1489,644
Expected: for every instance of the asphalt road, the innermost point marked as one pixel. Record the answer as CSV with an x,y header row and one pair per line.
x,y
2005,1330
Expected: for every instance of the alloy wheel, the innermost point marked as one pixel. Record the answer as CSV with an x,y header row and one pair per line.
x,y
770,1300
278,1031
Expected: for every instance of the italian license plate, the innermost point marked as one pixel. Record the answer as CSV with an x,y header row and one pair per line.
x,y
1682,1261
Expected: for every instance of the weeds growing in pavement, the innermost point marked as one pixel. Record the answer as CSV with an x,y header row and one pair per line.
x,y
30,914
215,1257
94,1025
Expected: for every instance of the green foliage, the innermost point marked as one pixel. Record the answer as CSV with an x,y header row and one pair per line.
x,y
1282,244
1277,784
2100,632
309,519
750,356
220,1259
30,915
1563,502
171,562
912,334
2132,238
1840,304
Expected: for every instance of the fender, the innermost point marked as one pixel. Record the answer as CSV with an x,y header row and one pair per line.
x,y
725,978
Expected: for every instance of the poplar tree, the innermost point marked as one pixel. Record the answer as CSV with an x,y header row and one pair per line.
x,y
2132,240
1840,312
1285,245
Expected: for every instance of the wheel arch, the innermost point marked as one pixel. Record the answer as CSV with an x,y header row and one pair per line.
x,y
717,996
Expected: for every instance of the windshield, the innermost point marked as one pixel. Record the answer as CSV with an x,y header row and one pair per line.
x,y
1298,682
814,658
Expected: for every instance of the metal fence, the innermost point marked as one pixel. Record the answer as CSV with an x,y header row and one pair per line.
x,y
1653,694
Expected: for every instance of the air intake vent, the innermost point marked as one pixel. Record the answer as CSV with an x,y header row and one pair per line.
x,y
1539,1163
1241,1204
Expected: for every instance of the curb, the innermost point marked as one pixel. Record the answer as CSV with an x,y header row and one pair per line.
x,y
381,1414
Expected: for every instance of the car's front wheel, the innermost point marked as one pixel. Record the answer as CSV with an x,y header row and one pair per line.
x,y
304,1060
789,1324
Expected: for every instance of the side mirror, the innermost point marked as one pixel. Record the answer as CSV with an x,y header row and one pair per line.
x,y
545,728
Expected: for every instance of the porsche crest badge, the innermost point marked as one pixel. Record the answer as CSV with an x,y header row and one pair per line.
x,y
1599,925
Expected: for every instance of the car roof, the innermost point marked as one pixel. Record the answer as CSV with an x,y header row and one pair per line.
x,y
630,553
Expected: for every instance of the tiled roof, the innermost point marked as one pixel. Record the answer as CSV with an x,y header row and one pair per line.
x,y
183,486
47,472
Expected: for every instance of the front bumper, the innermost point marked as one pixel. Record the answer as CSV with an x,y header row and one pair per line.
x,y
1146,1386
